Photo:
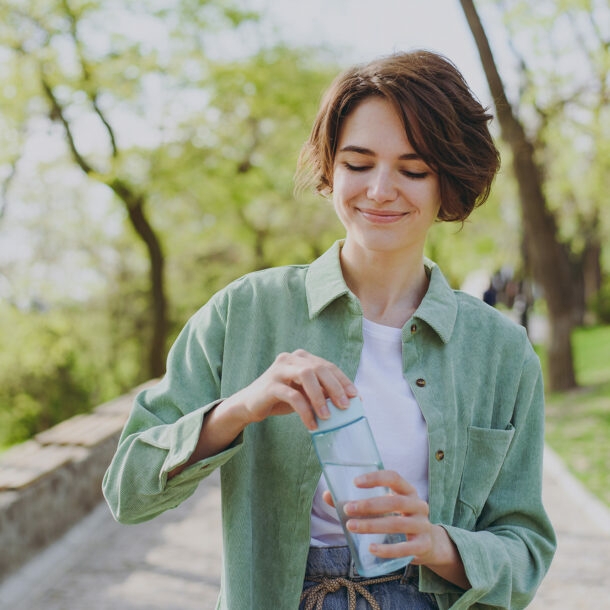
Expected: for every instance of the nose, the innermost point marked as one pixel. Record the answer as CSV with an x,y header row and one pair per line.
x,y
381,188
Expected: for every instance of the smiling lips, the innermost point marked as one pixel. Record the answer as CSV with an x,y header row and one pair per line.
x,y
381,216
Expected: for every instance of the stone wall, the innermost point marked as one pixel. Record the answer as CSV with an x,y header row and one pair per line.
x,y
49,483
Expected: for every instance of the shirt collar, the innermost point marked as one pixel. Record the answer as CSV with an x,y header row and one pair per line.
x,y
439,307
324,284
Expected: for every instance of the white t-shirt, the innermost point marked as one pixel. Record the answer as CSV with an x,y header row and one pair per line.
x,y
395,419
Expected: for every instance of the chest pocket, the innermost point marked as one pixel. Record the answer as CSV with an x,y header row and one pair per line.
x,y
485,453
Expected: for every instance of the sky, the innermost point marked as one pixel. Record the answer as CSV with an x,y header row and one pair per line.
x,y
365,29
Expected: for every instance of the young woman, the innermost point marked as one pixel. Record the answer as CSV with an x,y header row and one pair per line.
x,y
452,389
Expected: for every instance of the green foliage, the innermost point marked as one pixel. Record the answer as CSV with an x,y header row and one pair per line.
x,y
56,364
578,425
42,378
600,305
563,60
578,422
592,354
225,196
211,146
211,142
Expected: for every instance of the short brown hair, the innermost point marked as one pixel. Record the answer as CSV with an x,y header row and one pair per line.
x,y
444,122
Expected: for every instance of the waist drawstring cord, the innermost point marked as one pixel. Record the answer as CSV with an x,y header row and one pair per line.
x,y
314,596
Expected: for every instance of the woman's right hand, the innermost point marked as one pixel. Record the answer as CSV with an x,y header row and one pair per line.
x,y
296,382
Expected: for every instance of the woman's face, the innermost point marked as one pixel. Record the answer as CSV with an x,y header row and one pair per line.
x,y
385,195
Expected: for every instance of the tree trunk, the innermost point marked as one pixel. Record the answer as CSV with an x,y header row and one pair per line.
x,y
549,259
592,269
588,270
134,203
579,300
135,208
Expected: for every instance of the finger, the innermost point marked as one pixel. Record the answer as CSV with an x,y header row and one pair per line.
x,y
417,549
385,478
389,524
296,384
312,388
375,507
319,379
337,386
387,504
301,369
327,497
294,399
418,546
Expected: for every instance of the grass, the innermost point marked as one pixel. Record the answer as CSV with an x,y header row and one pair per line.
x,y
578,422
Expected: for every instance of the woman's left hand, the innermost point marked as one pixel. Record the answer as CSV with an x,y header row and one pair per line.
x,y
403,511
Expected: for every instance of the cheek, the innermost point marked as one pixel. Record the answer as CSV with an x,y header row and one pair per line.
x,y
345,186
339,209
338,183
430,197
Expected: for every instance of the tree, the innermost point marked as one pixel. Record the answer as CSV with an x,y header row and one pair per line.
x,y
209,145
79,71
564,89
553,259
225,197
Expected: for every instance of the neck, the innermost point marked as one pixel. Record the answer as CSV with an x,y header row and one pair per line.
x,y
389,287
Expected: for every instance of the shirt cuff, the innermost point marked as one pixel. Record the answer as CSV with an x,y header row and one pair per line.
x,y
483,570
179,440
200,470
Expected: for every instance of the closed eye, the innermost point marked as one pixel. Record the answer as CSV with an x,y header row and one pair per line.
x,y
415,175
356,168
362,168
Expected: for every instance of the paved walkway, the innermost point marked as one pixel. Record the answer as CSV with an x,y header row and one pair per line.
x,y
579,578
173,562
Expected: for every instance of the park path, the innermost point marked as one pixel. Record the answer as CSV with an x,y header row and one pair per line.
x,y
173,562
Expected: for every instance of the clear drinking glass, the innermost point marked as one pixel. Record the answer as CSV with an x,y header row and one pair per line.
x,y
346,449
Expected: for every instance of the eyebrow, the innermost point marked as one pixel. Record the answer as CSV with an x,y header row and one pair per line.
x,y
366,151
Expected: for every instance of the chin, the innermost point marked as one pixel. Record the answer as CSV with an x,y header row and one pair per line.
x,y
382,245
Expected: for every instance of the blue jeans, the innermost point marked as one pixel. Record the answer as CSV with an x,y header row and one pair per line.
x,y
399,594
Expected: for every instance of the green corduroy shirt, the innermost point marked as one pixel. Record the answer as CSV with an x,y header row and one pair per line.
x,y
476,379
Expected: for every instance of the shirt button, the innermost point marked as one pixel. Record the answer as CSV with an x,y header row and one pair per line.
x,y
413,328
420,383
439,455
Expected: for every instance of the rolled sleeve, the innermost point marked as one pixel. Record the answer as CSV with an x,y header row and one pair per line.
x,y
136,485
164,426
